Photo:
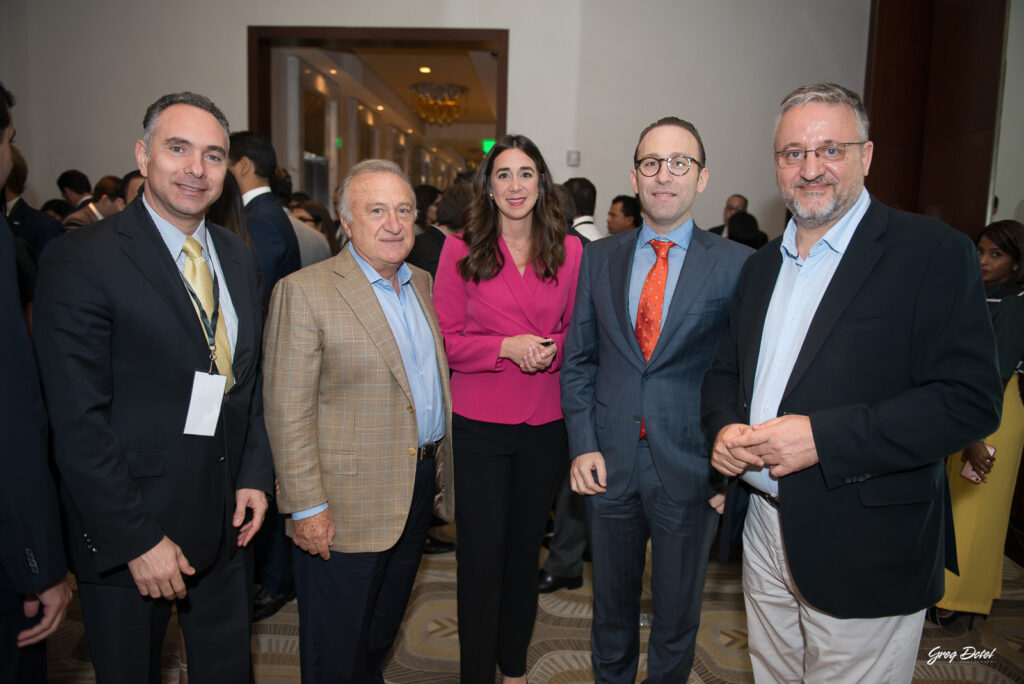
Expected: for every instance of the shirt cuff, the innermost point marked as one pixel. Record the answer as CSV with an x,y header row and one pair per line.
x,y
309,512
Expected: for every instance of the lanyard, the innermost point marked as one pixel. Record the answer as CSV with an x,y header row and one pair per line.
x,y
209,324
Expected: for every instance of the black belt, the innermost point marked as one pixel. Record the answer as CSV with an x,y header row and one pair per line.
x,y
428,451
773,501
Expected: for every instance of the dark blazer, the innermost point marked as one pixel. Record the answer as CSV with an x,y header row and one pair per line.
x,y
274,239
33,226
118,343
426,251
717,230
31,547
607,386
896,372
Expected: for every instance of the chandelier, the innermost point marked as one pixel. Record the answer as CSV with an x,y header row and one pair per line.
x,y
440,103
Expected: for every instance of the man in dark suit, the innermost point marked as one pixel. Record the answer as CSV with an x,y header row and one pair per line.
x,y
32,566
75,188
733,205
31,225
651,307
859,355
148,330
253,161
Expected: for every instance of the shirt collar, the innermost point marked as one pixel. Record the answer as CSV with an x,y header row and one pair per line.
x,y
580,220
254,193
174,238
680,236
838,236
404,274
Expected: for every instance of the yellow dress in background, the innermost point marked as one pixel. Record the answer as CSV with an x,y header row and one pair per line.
x,y
981,513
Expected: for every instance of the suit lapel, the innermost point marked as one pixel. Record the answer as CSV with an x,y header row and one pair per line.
x,y
620,269
149,253
761,298
697,267
234,274
860,258
522,287
359,295
421,286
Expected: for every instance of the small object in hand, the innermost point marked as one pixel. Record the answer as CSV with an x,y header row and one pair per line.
x,y
970,473
547,343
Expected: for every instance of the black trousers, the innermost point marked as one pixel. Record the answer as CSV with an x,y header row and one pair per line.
x,y
125,630
505,479
351,606
20,665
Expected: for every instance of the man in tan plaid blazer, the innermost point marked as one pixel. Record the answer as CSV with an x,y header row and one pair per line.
x,y
358,410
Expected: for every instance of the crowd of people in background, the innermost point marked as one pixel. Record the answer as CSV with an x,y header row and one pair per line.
x,y
252,398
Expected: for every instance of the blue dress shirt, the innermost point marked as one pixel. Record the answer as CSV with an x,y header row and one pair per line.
x,y
644,259
798,291
416,345
175,241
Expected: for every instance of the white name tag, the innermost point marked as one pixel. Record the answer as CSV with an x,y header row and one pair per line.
x,y
204,409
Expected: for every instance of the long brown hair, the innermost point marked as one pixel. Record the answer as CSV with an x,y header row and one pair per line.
x,y
547,231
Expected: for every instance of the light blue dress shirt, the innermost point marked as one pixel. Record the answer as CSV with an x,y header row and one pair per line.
x,y
175,241
644,259
416,345
798,291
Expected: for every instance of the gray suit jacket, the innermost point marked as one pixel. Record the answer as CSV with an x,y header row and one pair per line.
x,y
606,385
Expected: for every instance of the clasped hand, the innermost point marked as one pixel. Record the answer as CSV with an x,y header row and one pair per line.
x,y
784,445
529,352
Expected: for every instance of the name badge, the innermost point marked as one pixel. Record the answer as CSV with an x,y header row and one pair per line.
x,y
204,408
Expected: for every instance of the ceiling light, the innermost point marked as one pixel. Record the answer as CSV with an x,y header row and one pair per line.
x,y
424,70
333,72
440,103
380,108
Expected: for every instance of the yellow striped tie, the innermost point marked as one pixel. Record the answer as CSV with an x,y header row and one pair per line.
x,y
197,273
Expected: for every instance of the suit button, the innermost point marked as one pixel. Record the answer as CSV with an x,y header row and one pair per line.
x,y
92,549
636,419
646,377
412,452
220,460
409,409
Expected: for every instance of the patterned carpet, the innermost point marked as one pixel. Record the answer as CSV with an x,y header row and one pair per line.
x,y
427,647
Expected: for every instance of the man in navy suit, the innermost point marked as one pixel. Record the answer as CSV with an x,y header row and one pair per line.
x,y
651,307
859,354
157,506
253,161
31,225
33,592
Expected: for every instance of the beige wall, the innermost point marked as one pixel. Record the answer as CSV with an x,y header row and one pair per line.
x,y
583,74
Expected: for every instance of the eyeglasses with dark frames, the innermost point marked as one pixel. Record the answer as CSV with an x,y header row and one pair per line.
x,y
677,166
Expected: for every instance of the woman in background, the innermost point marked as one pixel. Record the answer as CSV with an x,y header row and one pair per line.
x,y
504,296
982,478
427,199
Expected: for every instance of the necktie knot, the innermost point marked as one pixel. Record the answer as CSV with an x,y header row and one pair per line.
x,y
661,248
192,248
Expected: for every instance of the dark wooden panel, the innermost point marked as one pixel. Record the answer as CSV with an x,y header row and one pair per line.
x,y
896,96
955,174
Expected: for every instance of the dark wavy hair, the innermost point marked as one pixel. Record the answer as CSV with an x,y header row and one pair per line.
x,y
1008,235
483,222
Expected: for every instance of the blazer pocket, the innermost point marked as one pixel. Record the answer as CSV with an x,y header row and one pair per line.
x,y
145,462
339,463
900,488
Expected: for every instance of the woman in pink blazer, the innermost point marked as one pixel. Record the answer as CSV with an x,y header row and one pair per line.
x,y
504,296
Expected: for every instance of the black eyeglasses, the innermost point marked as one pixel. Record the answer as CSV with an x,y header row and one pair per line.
x,y
677,166
832,152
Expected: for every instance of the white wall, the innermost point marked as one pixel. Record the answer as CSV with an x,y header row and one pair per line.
x,y
1009,180
580,76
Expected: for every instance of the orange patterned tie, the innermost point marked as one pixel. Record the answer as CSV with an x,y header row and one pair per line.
x,y
652,298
